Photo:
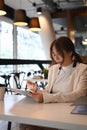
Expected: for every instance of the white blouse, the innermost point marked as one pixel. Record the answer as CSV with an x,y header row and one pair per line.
x,y
64,80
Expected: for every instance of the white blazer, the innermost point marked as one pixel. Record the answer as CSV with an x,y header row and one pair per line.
x,y
79,85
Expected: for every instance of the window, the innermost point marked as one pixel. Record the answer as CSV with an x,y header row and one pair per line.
x,y
6,40
80,23
29,45
6,43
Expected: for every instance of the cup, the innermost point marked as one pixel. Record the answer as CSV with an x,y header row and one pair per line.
x,y
2,91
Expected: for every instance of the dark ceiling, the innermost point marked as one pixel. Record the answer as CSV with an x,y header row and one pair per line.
x,y
55,6
51,5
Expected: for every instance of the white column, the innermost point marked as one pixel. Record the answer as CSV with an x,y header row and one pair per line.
x,y
47,32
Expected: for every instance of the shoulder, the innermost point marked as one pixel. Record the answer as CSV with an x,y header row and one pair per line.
x,y
54,67
81,67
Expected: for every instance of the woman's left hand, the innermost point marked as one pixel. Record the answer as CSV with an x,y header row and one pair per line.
x,y
37,96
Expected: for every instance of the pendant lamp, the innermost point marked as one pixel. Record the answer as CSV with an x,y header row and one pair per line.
x,y
39,10
20,18
2,8
34,24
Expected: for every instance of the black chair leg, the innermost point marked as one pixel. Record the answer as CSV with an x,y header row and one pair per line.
x,y
9,125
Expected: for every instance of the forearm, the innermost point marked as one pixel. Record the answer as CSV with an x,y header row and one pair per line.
x,y
60,97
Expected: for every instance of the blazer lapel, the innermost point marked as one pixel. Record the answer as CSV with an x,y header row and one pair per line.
x,y
54,77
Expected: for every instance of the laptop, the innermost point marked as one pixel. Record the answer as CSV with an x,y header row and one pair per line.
x,y
22,92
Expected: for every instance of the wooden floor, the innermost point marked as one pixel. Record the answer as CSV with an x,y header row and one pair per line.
x,y
4,125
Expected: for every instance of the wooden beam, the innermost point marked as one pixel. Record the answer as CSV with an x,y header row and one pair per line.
x,y
60,14
74,12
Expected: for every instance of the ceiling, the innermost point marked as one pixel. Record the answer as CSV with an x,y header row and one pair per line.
x,y
52,5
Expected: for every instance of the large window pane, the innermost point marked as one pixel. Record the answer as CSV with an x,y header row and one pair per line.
x,y
29,45
6,44
81,34
6,48
6,40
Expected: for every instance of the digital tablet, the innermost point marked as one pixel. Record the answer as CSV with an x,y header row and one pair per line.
x,y
19,91
81,109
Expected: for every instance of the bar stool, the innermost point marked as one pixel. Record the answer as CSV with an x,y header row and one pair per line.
x,y
28,74
6,78
17,76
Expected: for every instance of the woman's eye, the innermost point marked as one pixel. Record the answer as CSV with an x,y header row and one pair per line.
x,y
53,54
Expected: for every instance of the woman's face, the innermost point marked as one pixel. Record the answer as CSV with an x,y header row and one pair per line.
x,y
59,59
56,56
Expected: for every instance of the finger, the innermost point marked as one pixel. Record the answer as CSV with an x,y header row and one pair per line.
x,y
32,91
28,81
30,94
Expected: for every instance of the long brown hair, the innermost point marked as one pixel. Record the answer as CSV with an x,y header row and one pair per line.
x,y
65,44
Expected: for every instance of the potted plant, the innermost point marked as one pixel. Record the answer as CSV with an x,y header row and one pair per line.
x,y
45,72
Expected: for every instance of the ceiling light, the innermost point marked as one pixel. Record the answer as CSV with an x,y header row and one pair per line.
x,y
34,24
85,39
20,18
2,8
84,42
39,10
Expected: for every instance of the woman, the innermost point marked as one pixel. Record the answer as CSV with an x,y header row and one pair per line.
x,y
67,79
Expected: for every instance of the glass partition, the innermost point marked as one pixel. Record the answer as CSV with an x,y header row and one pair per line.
x,y
80,23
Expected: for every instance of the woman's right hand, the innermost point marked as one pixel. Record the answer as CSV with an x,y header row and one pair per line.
x,y
32,86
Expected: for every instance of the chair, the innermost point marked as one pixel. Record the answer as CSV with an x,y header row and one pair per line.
x,y
28,74
17,78
6,77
